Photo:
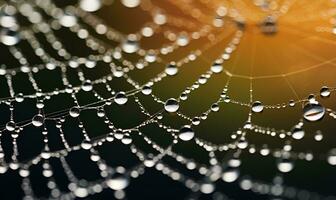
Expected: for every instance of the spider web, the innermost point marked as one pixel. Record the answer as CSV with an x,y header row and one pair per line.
x,y
134,99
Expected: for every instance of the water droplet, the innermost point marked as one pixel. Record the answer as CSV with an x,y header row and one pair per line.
x,y
285,165
325,92
146,90
86,145
332,157
318,136
74,112
19,98
230,175
298,133
242,143
313,112
126,139
269,26
171,69
100,112
10,126
38,120
131,3
9,37
120,98
150,57
68,20
8,20
87,86
196,121
50,66
186,133
81,192
257,107
215,107
171,105
90,5
130,45
207,188
182,40
118,182
217,68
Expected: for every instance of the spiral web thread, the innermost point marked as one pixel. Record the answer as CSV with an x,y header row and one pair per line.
x,y
111,53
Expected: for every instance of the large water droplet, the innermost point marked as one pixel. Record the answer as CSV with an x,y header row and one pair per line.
x,y
9,37
257,107
74,112
207,188
171,105
68,20
90,5
130,45
131,3
217,68
120,98
313,112
325,92
118,182
10,126
285,165
38,120
230,175
87,86
146,90
171,69
298,133
186,133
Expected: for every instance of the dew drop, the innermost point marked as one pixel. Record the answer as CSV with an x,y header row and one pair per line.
x,y
74,112
146,90
130,45
313,112
118,182
10,126
285,165
90,5
86,145
120,98
325,92
68,20
171,105
87,86
230,175
9,37
217,68
298,133
332,157
19,98
186,133
171,69
257,107
207,188
131,3
38,120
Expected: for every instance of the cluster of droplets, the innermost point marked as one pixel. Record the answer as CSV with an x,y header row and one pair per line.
x,y
119,179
